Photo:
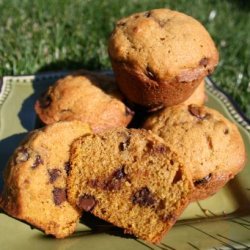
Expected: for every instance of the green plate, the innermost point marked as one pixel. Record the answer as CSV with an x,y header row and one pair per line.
x,y
220,222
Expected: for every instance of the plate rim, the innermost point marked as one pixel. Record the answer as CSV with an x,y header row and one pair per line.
x,y
230,104
234,111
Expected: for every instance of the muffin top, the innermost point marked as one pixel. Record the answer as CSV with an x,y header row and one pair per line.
x,y
164,45
91,98
206,140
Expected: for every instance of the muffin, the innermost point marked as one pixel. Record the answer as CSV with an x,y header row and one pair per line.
x,y
198,97
35,179
159,57
208,144
132,180
90,98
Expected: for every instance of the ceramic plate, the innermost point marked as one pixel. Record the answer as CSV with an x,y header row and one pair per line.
x,y
220,222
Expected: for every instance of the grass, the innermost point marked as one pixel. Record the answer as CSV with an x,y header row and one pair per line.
x,y
42,35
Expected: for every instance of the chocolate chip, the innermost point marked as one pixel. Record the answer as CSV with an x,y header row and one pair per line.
x,y
129,112
45,100
168,218
59,196
112,185
162,23
143,197
123,145
204,62
114,182
22,155
210,142
53,174
87,202
160,149
96,184
38,161
178,176
67,167
161,205
150,73
203,181
156,148
197,111
226,131
121,24
147,14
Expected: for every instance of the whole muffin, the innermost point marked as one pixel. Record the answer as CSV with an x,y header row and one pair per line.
x,y
209,144
91,98
160,56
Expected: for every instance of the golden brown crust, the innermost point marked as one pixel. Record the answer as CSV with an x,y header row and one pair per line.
x,y
163,51
35,179
84,96
209,144
199,96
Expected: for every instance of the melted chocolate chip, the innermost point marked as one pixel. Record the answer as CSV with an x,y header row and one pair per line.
x,y
59,196
204,62
22,155
198,112
114,183
54,174
156,148
129,112
96,184
178,176
203,181
45,100
168,218
38,161
120,173
161,205
87,202
67,167
150,74
161,149
123,145
226,131
143,197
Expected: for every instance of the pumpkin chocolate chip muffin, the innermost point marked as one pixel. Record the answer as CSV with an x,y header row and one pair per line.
x,y
35,179
198,97
87,97
130,178
208,144
160,56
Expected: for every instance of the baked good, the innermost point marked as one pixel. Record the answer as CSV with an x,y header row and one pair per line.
x,y
35,179
84,96
208,144
160,56
198,97
130,178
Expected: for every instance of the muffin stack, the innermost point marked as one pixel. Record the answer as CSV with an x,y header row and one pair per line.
x,y
140,179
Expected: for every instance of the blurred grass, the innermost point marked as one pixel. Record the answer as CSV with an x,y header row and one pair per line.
x,y
47,35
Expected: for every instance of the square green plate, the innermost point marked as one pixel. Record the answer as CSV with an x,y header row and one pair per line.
x,y
220,222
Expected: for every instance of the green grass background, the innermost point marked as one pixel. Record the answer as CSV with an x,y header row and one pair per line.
x,y
42,35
